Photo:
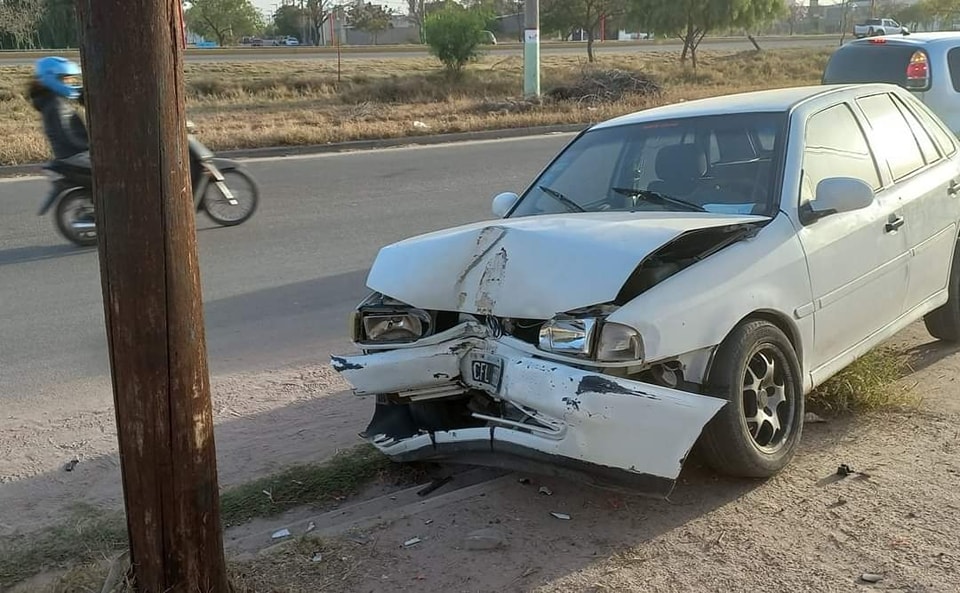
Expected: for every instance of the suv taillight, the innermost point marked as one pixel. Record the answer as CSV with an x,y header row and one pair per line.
x,y
918,71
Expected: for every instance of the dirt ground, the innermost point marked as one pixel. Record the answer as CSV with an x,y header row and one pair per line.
x,y
897,516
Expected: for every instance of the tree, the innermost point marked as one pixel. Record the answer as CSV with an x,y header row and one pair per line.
x,y
455,35
20,21
691,20
288,20
944,11
370,18
796,14
58,28
227,20
914,15
567,16
318,11
416,11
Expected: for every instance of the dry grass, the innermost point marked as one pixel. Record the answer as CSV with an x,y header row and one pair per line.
x,y
870,384
245,105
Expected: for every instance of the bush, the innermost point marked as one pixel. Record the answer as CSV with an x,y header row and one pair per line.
x,y
455,35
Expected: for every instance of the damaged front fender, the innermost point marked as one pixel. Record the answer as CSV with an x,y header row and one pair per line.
x,y
605,430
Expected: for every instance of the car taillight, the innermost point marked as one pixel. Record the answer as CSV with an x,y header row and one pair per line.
x,y
918,71
878,40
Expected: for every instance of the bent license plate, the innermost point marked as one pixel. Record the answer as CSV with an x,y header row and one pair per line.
x,y
483,371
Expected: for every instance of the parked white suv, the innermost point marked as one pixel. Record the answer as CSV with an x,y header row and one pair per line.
x,y
926,64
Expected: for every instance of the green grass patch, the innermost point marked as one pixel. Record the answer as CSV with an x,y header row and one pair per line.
x,y
868,384
318,485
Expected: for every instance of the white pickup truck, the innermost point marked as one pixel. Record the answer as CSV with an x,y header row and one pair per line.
x,y
872,27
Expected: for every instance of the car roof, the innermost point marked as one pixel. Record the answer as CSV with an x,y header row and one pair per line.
x,y
770,100
924,38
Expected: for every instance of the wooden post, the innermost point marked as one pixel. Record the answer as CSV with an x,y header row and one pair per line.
x,y
132,61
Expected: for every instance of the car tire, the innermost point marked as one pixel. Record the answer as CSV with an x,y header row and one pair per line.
x,y
943,322
756,354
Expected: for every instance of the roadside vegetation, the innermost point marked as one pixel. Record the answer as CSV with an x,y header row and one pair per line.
x,y
870,384
248,105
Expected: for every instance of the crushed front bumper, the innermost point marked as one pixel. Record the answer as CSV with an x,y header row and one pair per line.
x,y
605,430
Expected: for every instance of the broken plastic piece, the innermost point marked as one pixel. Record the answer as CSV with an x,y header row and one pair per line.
x,y
317,557
281,533
411,542
545,490
562,516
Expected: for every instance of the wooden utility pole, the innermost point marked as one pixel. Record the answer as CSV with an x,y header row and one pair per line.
x,y
132,58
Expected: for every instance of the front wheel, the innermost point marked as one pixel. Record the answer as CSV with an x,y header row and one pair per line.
x,y
75,219
757,432
239,206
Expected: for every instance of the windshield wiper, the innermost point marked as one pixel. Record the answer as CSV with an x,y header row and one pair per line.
x,y
570,204
655,196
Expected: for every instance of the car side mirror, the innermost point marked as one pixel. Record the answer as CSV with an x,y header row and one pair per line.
x,y
503,202
835,195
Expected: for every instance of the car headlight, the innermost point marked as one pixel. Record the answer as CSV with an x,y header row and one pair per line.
x,y
619,343
382,320
568,336
591,337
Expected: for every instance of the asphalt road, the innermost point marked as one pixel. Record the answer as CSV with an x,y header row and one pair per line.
x,y
277,290
254,55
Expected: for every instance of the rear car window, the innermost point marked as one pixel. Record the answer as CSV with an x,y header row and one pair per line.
x,y
869,62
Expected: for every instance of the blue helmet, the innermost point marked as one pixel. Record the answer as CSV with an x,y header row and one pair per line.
x,y
60,75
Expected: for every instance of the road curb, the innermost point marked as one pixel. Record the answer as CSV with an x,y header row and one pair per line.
x,y
32,169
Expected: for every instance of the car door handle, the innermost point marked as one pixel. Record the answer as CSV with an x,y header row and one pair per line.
x,y
893,223
954,188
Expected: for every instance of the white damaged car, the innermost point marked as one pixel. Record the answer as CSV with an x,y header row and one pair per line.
x,y
675,277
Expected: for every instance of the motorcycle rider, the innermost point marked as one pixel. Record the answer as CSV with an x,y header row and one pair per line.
x,y
56,82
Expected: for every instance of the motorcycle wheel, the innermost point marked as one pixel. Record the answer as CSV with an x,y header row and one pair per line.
x,y
245,191
77,204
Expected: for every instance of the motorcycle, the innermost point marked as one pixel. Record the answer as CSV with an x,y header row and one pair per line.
x,y
71,197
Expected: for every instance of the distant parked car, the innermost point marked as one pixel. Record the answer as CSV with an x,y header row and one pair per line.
x,y
290,41
873,27
926,64
681,274
489,38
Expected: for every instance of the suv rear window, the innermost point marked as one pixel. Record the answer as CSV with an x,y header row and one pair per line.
x,y
869,62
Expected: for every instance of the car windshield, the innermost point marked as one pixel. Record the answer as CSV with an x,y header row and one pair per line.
x,y
723,164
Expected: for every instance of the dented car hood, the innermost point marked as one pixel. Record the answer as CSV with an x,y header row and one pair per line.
x,y
532,267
